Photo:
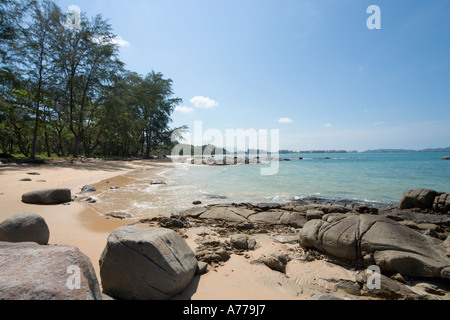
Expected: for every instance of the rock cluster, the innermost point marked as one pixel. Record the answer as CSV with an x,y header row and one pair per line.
x,y
408,241
231,161
375,240
405,243
137,264
426,200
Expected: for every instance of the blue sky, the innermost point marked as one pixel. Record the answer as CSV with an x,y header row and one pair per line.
x,y
310,68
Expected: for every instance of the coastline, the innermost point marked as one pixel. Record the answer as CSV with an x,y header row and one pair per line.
x,y
75,224
84,226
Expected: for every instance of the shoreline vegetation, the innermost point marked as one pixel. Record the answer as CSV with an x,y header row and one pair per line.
x,y
248,251
65,92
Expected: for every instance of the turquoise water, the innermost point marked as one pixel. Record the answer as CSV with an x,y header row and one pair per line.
x,y
369,177
362,177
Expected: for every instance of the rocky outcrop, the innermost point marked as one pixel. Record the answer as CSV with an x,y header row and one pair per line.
x,y
425,199
420,198
376,240
25,227
146,264
243,242
442,203
271,214
29,271
47,196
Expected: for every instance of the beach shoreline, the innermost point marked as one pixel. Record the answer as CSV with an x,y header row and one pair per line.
x,y
76,223
83,225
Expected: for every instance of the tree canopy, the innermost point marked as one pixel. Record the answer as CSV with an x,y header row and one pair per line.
x,y
64,90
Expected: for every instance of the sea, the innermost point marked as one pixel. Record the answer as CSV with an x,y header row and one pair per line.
x,y
362,177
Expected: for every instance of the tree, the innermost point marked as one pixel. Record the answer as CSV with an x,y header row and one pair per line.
x,y
86,61
156,107
34,58
64,89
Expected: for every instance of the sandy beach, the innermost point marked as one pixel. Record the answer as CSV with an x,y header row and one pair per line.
x,y
81,225
75,224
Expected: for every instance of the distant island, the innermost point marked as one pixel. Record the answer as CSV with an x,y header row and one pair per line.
x,y
316,151
429,150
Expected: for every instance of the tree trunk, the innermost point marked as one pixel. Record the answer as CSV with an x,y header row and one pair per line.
x,y
148,146
76,150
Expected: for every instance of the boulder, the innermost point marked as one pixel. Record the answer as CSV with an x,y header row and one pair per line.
x,y
446,245
29,271
87,189
276,262
314,214
223,213
243,242
47,196
389,289
146,264
378,240
420,198
442,203
213,255
25,227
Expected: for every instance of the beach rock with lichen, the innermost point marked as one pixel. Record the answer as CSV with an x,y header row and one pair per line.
x,y
29,271
146,264
25,227
378,241
47,196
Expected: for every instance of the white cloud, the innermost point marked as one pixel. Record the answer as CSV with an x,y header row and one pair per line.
x,y
379,123
185,110
328,125
120,41
204,102
285,120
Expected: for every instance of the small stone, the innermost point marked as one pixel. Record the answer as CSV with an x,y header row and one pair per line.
x,y
119,215
87,189
398,277
243,242
274,263
157,182
202,268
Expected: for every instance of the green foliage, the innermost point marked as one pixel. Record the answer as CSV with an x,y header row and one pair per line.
x,y
65,91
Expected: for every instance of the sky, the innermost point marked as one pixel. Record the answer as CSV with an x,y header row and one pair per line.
x,y
312,69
